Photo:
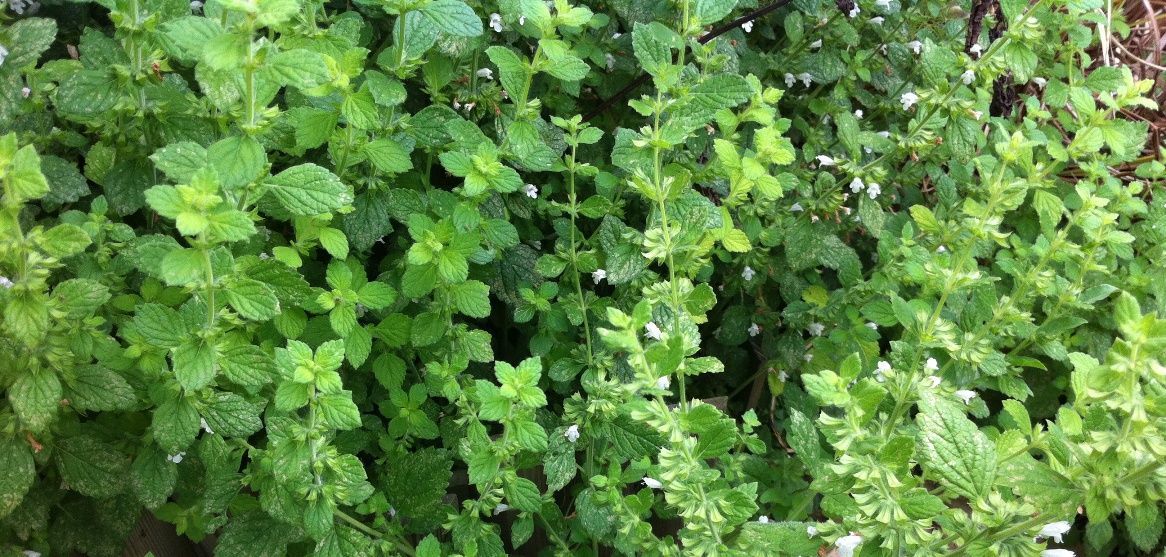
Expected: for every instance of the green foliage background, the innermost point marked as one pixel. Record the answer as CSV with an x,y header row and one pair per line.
x,y
342,279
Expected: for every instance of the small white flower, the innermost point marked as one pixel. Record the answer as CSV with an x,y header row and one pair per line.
x,y
664,383
616,36
522,20
1040,82
457,105
816,44
6,282
934,381
598,275
965,395
873,189
653,332
205,426
884,134
754,330
878,20
3,54
796,207
176,458
808,357
846,545
610,61
856,185
748,273
469,106
25,91
816,329
782,376
652,482
572,433
883,49
824,160
941,249
884,4
1055,530
915,46
501,508
196,7
908,99
853,11
968,77
530,190
763,519
931,365
30,553
790,80
811,531
977,50
977,114
872,326
806,78
1057,553
885,367
858,114
747,26
486,73
496,22
392,512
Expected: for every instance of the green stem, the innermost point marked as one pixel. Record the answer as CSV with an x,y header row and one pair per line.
x,y
575,259
400,545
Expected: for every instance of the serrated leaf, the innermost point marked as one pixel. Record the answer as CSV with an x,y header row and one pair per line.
x,y
308,190
388,156
91,467
631,440
523,495
17,473
472,297
153,478
339,411
952,449
36,397
453,18
94,387
254,534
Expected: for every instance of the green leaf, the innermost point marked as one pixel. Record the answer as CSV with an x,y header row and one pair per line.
x,y
523,495
26,40
91,467
153,478
238,159
313,125
308,190
631,440
94,387
376,295
472,297
952,449
230,415
87,93
652,46
175,424
194,363
453,18
417,494
512,72
300,68
360,110
188,36
17,473
1041,485
778,539
64,240
247,365
388,156
712,11
254,534
339,411
429,547
160,325
183,266
343,541
36,396
229,225
530,435
736,241
334,242
563,64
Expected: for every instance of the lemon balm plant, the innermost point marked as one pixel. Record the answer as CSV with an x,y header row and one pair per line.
x,y
440,278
